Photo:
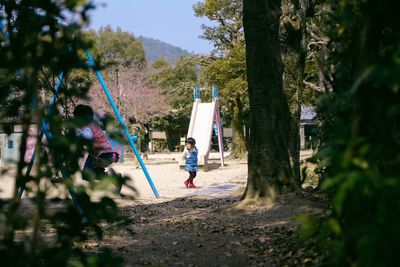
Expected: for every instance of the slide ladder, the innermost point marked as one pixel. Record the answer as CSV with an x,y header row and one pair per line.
x,y
202,120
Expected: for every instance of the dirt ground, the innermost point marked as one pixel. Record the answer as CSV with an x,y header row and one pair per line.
x,y
196,227
199,231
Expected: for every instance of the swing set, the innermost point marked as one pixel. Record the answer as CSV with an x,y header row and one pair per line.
x,y
90,64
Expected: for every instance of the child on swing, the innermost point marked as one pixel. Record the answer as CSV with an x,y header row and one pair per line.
x,y
102,154
190,156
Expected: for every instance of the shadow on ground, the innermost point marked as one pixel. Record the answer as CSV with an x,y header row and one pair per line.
x,y
201,232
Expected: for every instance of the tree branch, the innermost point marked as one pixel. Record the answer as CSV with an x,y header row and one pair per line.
x,y
313,86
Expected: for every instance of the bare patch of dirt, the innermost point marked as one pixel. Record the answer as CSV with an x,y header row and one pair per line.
x,y
196,231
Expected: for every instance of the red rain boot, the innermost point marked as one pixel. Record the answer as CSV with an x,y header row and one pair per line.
x,y
186,183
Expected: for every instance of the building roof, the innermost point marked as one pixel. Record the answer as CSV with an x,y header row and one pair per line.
x,y
308,114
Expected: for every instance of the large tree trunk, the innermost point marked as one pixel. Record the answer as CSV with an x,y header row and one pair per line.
x,y
293,37
294,141
269,169
239,149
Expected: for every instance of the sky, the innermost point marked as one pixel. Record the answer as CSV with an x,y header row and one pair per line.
x,y
171,21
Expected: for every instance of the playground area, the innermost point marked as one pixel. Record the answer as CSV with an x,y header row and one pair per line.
x,y
168,177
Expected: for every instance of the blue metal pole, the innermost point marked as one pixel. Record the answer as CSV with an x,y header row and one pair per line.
x,y
196,92
214,92
2,29
45,131
48,136
30,164
64,172
54,97
121,121
214,96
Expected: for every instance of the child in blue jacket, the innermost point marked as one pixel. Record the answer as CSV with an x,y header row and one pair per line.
x,y
190,156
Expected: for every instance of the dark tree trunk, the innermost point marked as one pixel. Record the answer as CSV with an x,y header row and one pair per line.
x,y
269,169
247,134
239,149
294,143
293,37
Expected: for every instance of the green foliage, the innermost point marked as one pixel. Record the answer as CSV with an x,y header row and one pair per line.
x,y
229,73
228,32
123,59
360,142
176,83
160,64
228,70
160,145
41,43
118,47
106,258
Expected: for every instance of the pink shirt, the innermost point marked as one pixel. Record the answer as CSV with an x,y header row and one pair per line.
x,y
100,141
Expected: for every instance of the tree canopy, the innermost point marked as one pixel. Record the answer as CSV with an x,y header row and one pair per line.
x,y
176,83
227,66
122,58
118,47
228,31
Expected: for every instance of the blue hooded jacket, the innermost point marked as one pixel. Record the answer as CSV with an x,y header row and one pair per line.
x,y
191,161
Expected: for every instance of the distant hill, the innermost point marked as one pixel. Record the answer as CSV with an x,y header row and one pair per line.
x,y
154,49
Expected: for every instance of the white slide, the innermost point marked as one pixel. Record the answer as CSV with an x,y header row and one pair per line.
x,y
201,127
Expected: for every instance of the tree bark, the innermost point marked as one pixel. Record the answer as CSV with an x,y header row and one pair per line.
x,y
239,149
293,36
247,134
269,170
